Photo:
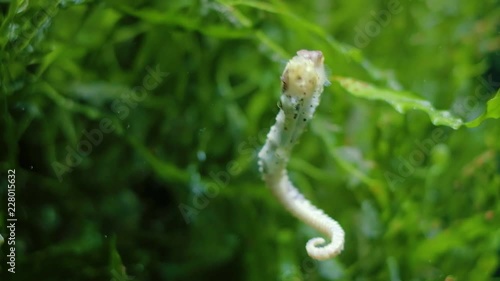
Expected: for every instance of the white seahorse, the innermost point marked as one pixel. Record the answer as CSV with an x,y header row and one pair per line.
x,y
302,84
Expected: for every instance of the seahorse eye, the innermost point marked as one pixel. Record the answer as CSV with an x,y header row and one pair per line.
x,y
284,86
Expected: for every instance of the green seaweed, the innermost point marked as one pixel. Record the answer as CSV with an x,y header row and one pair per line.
x,y
133,128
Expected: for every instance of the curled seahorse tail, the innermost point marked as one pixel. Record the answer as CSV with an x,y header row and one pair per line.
x,y
301,208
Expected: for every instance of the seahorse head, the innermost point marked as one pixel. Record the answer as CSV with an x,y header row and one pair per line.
x,y
304,74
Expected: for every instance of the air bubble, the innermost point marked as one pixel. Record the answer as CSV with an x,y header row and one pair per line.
x,y
202,156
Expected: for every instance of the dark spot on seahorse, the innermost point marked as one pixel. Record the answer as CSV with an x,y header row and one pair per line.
x,y
297,107
286,128
295,116
304,93
284,86
305,119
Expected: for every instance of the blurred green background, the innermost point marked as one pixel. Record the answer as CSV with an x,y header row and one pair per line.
x,y
133,127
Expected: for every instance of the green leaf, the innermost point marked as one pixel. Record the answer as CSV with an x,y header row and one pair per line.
x,y
116,266
402,101
492,111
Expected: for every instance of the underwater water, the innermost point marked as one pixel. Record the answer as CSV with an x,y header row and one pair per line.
x,y
130,133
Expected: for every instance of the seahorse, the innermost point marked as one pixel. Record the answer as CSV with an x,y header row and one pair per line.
x,y
302,83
